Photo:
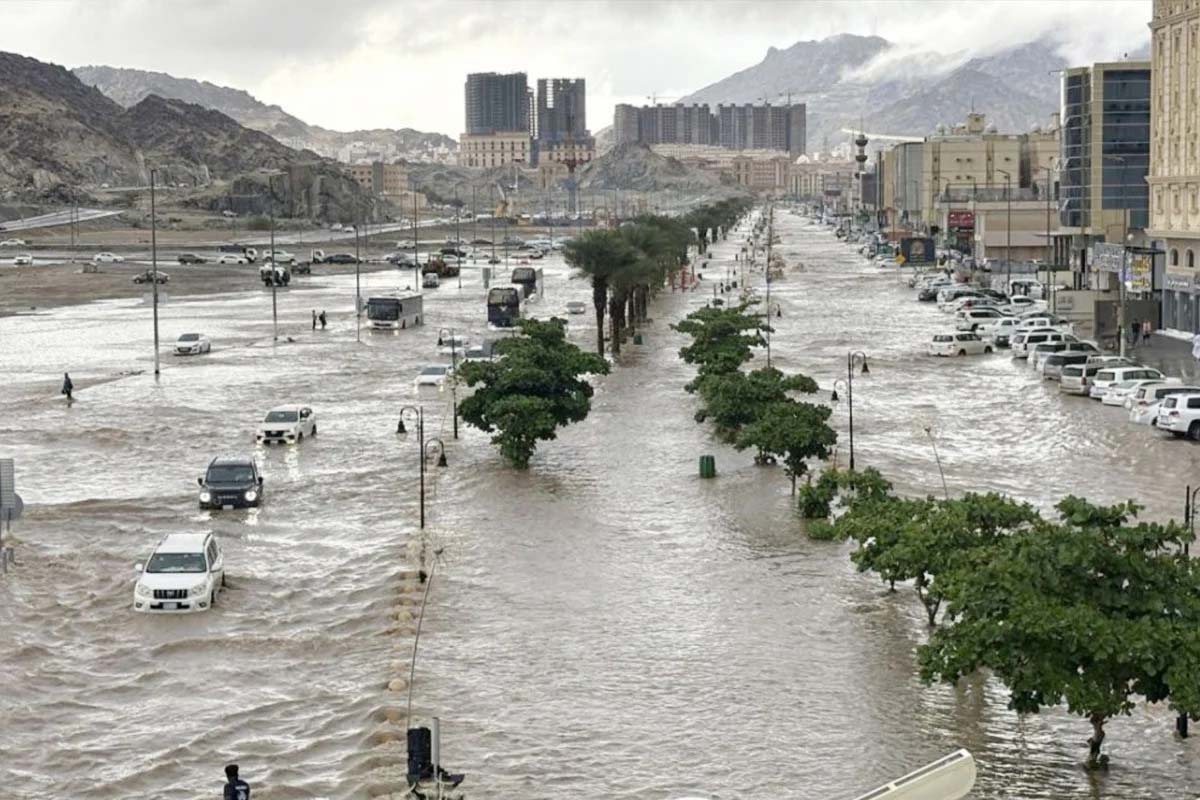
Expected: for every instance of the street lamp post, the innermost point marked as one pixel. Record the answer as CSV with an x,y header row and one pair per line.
x,y
1121,292
274,282
853,359
453,336
1008,232
937,458
770,235
419,412
154,264
357,285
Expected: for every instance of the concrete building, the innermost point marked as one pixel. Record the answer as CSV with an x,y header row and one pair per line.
x,y
830,183
1103,162
768,175
626,124
497,103
495,149
561,109
737,127
380,178
1174,173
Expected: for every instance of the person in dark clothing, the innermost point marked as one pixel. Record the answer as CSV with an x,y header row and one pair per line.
x,y
235,787
322,318
67,386
314,319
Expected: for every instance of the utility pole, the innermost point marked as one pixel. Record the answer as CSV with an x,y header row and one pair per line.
x,y
273,274
1008,245
154,264
357,288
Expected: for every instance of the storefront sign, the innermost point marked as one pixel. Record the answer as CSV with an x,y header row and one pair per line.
x,y
1178,283
1107,257
962,220
1140,270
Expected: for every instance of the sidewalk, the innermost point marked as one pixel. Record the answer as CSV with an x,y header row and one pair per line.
x,y
1168,354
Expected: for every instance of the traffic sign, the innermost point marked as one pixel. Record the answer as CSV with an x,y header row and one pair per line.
x,y
8,485
13,512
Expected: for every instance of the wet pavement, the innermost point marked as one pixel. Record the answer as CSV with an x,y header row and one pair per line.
x,y
604,625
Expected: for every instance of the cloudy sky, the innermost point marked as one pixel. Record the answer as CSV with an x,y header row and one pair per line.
x,y
397,63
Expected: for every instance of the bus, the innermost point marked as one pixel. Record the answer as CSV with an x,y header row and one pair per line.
x,y
504,306
395,312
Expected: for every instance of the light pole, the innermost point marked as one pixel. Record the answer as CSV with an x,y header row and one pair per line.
x,y
357,286
1008,232
274,281
453,336
770,235
1121,293
419,413
938,459
154,264
853,359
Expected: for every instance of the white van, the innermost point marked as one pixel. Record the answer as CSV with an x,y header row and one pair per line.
x,y
1022,343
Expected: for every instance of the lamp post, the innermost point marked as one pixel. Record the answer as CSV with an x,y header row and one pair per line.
x,y
154,264
453,336
937,458
1121,293
1008,231
770,236
853,359
419,413
274,282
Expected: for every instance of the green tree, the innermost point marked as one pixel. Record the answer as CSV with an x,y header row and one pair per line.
x,y
600,255
536,386
722,340
1092,611
791,431
733,400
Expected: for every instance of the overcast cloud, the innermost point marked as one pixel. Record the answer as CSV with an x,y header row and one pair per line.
x,y
394,63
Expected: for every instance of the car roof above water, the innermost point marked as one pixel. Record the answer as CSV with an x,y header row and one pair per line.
x,y
232,461
182,543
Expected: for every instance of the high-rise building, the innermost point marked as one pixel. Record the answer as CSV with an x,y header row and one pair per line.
x,y
626,124
497,103
561,109
1174,160
743,127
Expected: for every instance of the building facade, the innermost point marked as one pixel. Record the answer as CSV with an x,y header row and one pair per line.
x,y
1174,174
561,109
495,149
737,127
497,103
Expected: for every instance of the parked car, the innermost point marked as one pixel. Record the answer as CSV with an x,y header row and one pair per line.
x,y
970,319
23,260
1023,342
430,280
279,257
107,258
232,258
1109,376
433,375
957,343
454,345
1021,304
185,573
191,258
192,344
151,276
1053,364
948,297
576,307
287,425
1179,414
231,482
1119,394
14,243
342,258
400,259
1040,352
1145,403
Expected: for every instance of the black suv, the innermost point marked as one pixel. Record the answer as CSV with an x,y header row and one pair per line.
x,y
231,482
190,258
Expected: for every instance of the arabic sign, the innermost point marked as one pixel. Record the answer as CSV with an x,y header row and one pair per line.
x,y
1178,283
960,219
1107,257
1140,270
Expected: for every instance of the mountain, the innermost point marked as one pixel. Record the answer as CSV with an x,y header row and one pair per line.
x,y
635,167
895,90
63,138
128,87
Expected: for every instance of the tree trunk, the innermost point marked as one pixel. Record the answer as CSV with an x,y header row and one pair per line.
x,y
599,298
931,605
1095,759
614,312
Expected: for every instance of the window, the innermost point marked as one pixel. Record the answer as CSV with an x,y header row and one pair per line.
x,y
1174,257
1191,258
1193,402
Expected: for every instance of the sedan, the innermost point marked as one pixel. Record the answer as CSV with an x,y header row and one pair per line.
x,y
151,276
1121,394
14,243
576,307
230,258
342,258
433,375
192,344
23,260
958,344
191,258
107,258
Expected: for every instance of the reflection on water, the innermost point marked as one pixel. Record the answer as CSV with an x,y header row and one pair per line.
x,y
604,625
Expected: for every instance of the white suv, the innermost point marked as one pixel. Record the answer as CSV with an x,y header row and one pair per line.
x,y
1180,414
287,425
1111,376
184,574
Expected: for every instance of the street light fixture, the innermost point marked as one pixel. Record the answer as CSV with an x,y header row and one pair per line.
x,y
417,414
453,337
1008,231
154,264
854,359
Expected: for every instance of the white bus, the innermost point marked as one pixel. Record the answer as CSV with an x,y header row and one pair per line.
x,y
395,312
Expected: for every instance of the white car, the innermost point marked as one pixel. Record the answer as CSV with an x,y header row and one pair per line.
x,y
287,425
192,344
955,294
1180,414
1040,352
107,258
1022,304
958,343
14,243
1145,403
1111,376
453,346
576,307
969,319
231,258
433,375
1023,342
185,573
280,257
430,280
23,260
1119,394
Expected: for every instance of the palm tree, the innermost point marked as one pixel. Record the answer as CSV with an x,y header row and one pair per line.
x,y
599,254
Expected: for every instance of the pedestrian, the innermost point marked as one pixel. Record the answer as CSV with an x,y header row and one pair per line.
x,y
1196,348
314,319
322,318
1135,331
67,386
235,787
1147,327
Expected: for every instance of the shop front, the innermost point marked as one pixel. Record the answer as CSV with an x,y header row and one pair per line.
x,y
1181,302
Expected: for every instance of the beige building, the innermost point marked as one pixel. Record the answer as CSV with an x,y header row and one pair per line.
x,y
769,175
971,156
828,182
494,149
1174,176
581,151
1030,220
380,178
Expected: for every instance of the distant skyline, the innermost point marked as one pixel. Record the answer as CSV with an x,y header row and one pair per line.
x,y
390,64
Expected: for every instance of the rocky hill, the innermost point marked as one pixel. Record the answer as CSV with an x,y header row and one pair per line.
x,y
635,167
128,87
64,138
844,79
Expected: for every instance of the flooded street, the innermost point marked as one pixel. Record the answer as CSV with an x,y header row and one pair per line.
x,y
605,625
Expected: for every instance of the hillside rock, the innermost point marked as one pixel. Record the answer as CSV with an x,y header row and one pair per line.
x,y
635,167
128,87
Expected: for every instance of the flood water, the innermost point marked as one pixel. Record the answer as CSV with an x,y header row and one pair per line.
x,y
605,625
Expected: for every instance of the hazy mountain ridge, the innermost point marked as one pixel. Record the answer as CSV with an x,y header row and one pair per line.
x,y
846,78
130,86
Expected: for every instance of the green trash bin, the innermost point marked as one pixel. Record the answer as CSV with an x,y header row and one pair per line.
x,y
637,338
708,466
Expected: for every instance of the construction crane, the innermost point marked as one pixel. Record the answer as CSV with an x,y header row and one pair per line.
x,y
886,137
654,98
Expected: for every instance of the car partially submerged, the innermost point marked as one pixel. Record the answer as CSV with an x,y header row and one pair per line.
x,y
287,425
184,574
